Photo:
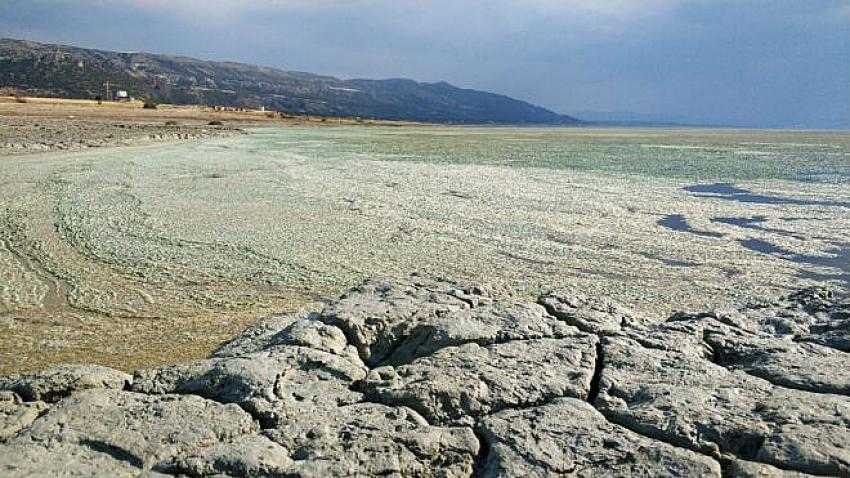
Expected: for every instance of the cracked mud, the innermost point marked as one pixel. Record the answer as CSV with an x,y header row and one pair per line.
x,y
429,377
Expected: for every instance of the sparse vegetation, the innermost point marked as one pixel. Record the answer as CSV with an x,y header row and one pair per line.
x,y
215,123
150,104
171,123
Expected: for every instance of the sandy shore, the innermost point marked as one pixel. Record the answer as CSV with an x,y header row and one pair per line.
x,y
31,125
26,135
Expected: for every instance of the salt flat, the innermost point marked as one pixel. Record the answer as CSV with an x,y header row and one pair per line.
x,y
141,256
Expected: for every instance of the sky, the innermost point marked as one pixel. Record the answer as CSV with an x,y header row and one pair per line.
x,y
764,63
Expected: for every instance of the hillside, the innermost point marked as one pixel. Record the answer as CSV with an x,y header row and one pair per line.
x,y
64,71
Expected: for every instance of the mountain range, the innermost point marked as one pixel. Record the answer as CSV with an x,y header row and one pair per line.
x,y
40,69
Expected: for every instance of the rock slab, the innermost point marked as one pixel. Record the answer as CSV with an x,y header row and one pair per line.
x,y
434,378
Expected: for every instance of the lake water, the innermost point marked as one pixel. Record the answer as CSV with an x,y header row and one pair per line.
x,y
144,255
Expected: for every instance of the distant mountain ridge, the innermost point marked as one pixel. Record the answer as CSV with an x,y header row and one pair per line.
x,y
66,71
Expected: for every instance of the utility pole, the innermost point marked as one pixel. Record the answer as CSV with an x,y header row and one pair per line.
x,y
107,90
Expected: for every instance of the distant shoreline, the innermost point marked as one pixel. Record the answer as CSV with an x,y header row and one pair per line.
x,y
179,122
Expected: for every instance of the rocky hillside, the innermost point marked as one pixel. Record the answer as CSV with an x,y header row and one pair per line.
x,y
428,378
63,71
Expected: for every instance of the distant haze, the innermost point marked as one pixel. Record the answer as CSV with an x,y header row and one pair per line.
x,y
766,63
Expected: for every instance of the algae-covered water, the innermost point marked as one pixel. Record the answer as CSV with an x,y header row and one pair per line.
x,y
698,154
146,255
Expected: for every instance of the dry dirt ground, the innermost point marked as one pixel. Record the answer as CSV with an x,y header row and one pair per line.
x,y
42,124
89,110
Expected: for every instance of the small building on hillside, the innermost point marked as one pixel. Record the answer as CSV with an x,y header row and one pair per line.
x,y
122,95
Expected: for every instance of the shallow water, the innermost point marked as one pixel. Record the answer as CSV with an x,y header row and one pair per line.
x,y
835,258
715,155
729,192
139,256
677,222
756,223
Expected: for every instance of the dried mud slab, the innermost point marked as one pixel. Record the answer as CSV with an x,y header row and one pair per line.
x,y
16,415
568,437
62,380
430,378
119,433
690,402
456,385
393,322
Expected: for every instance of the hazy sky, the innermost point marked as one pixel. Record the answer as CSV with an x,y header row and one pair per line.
x,y
752,62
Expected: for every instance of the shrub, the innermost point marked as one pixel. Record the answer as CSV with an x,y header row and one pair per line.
x,y
215,123
150,105
170,123
20,99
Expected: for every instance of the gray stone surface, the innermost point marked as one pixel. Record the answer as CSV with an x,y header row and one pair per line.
x,y
278,333
429,378
58,382
794,342
16,415
568,437
268,384
368,439
832,330
782,361
690,402
257,337
108,432
750,469
456,385
65,459
253,455
590,314
392,322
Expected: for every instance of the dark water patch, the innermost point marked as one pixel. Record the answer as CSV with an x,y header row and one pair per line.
x,y
677,222
820,277
530,260
608,275
837,258
730,192
755,223
796,219
561,240
746,222
723,189
458,194
668,261
766,247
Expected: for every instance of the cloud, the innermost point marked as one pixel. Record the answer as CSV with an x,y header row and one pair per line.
x,y
742,61
592,14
